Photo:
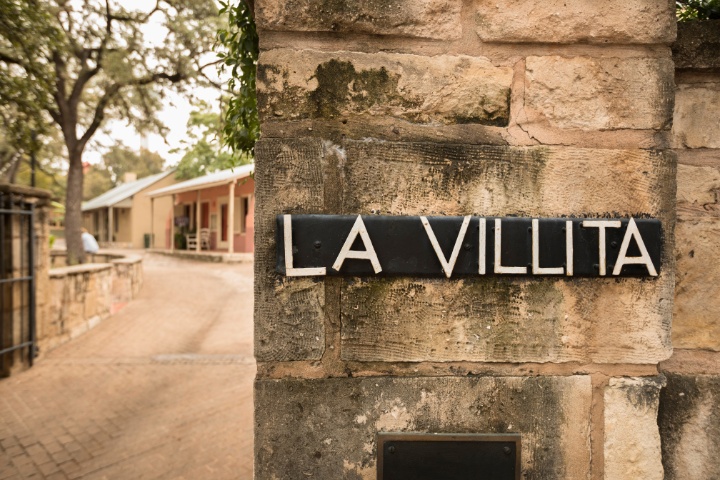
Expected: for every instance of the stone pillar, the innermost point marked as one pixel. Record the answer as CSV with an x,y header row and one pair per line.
x,y
463,107
14,257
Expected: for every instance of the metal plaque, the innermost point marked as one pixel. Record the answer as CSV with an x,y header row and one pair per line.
x,y
374,245
421,456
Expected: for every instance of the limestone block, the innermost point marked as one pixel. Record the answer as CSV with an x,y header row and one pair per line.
x,y
697,44
438,19
696,320
579,21
298,84
632,439
327,428
289,316
599,93
508,319
689,421
696,120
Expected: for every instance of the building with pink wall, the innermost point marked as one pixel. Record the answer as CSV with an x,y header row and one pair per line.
x,y
210,213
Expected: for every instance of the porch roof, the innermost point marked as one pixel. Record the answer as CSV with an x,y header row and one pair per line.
x,y
123,191
222,177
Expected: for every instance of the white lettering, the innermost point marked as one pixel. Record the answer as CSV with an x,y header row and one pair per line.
x,y
644,258
289,270
536,268
569,254
601,225
368,254
482,248
447,265
499,268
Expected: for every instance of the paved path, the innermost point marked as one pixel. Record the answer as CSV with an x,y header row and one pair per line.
x,y
162,390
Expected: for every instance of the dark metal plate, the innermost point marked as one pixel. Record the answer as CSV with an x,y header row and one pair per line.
x,y
403,247
420,456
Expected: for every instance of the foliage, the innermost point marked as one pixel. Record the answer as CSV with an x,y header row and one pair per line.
x,y
70,65
237,47
118,161
50,167
697,10
204,152
97,181
121,160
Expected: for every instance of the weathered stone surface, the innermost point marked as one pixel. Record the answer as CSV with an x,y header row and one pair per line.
x,y
490,320
599,93
696,121
586,21
696,319
427,178
289,316
298,84
697,45
439,19
689,421
515,320
632,439
327,428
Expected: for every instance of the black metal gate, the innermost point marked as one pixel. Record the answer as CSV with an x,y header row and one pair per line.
x,y
17,282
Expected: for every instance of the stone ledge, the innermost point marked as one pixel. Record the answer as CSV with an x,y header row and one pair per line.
x,y
78,269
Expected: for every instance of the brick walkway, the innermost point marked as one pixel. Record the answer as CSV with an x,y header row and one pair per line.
x,y
162,390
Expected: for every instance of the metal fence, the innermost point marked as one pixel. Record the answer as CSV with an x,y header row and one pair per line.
x,y
17,282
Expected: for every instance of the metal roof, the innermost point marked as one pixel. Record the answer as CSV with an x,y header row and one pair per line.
x,y
222,177
123,191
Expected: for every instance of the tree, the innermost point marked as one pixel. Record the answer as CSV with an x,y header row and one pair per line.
x,y
96,182
16,165
238,51
698,10
72,64
204,152
120,160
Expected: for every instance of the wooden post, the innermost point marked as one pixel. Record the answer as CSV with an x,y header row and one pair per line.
x,y
198,212
152,222
231,218
111,225
172,224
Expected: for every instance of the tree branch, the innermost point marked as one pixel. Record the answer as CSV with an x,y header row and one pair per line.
x,y
113,90
86,74
4,57
143,19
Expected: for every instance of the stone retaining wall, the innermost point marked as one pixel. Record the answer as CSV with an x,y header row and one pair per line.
x,y
689,414
82,296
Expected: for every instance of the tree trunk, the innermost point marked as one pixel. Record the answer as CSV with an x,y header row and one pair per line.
x,y
73,212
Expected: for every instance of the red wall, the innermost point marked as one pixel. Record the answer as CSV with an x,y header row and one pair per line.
x,y
243,242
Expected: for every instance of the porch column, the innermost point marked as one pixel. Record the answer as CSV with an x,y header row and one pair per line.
x,y
231,218
197,222
152,222
172,224
111,225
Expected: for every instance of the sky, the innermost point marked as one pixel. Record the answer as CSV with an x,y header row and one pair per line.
x,y
174,115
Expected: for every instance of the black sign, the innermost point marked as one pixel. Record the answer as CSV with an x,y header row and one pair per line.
x,y
374,245
411,456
